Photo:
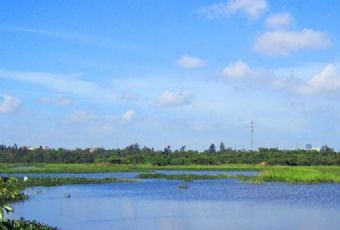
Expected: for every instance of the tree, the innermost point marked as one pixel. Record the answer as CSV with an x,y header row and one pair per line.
x,y
167,150
212,149
222,147
182,149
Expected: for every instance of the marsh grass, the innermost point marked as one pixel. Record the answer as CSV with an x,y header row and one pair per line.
x,y
51,181
289,174
308,175
107,167
183,177
293,175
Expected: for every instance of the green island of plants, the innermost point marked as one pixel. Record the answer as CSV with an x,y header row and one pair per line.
x,y
294,175
184,177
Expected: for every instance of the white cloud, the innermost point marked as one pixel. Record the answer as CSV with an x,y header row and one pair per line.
x,y
328,80
190,62
241,70
62,83
128,116
169,98
279,21
238,69
252,8
79,117
280,43
9,104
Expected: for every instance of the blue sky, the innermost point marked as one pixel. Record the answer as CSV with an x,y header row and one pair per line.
x,y
112,73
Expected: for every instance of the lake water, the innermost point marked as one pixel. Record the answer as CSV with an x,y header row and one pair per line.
x,y
206,204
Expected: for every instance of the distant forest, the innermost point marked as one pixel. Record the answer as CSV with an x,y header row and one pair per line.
x,y
134,154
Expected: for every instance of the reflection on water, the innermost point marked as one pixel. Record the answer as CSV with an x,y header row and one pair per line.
x,y
206,204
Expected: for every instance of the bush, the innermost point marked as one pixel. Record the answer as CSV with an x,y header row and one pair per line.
x,y
24,225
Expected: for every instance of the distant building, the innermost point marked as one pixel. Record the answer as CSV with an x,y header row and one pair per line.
x,y
45,147
326,148
309,147
316,149
92,150
31,148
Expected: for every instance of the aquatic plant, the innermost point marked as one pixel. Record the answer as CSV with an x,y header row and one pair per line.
x,y
184,177
308,175
183,186
24,225
9,191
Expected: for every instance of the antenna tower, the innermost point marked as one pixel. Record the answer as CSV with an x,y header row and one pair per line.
x,y
252,136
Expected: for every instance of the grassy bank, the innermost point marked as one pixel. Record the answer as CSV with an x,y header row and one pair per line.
x,y
309,175
293,175
107,167
289,174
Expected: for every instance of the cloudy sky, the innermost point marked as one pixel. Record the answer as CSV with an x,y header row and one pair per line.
x,y
111,73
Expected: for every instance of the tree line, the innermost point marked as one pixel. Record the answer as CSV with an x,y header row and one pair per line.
x,y
134,154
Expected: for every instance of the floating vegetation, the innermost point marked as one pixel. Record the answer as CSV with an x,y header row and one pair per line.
x,y
184,177
183,186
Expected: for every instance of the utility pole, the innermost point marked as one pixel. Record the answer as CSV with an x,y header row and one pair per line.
x,y
252,136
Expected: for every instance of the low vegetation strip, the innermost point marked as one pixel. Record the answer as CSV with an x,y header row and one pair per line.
x,y
184,177
51,181
309,175
108,167
294,175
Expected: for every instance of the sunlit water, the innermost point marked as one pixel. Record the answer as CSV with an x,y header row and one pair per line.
x,y
205,205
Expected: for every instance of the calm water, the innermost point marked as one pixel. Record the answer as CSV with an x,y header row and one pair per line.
x,y
206,204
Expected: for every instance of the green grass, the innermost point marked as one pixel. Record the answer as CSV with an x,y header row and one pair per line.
x,y
184,177
107,167
49,181
24,225
289,174
308,175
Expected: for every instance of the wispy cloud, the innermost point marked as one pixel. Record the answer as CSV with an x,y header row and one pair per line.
x,y
128,116
190,62
81,38
62,83
62,101
251,8
9,104
79,117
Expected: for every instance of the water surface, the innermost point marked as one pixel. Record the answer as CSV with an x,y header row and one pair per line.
x,y
206,204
